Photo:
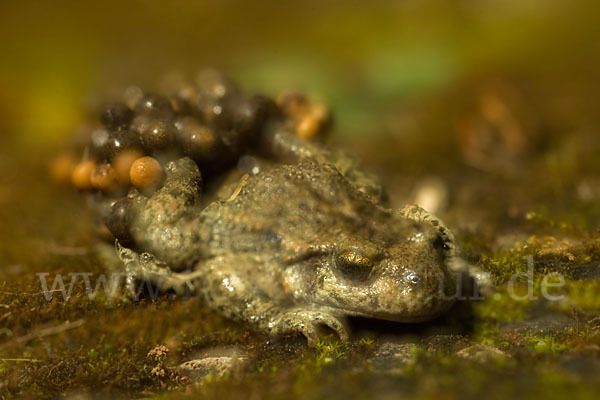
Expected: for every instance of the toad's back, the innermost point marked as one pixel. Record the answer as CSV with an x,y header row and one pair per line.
x,y
291,210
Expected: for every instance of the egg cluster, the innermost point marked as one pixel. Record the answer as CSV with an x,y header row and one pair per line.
x,y
208,120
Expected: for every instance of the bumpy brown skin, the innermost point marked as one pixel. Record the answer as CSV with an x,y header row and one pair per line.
x,y
301,245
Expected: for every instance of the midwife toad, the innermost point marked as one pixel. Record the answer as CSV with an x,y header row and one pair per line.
x,y
298,246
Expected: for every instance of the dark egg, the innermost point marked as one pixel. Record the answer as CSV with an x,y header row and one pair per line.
x,y
214,85
156,135
99,142
250,114
154,105
214,112
105,144
116,116
197,140
118,220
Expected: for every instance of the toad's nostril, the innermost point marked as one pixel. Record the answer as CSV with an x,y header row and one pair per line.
x,y
439,243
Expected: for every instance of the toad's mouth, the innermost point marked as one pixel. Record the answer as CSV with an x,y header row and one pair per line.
x,y
387,316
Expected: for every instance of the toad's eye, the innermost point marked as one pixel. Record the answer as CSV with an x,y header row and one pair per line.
x,y
354,265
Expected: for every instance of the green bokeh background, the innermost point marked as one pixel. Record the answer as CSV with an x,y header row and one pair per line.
x,y
366,59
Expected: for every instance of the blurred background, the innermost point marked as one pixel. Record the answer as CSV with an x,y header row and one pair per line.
x,y
375,64
463,103
458,101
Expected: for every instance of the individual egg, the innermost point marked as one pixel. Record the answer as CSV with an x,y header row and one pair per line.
x,y
313,123
122,163
61,168
104,177
156,135
197,141
180,105
214,112
183,98
180,92
321,112
308,127
154,105
139,123
250,165
104,145
118,220
120,141
82,173
145,173
250,114
214,85
99,142
233,141
132,96
186,93
116,116
292,102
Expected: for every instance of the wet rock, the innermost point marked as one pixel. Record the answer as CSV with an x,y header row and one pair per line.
x,y
482,353
444,343
545,323
216,367
392,358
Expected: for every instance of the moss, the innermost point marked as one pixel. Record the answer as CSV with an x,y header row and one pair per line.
x,y
583,295
502,307
547,344
504,264
546,221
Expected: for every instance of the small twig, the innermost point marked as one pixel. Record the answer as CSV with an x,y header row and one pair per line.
x,y
52,330
20,359
239,188
54,367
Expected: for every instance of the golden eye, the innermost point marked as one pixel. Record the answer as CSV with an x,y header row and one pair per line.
x,y
354,265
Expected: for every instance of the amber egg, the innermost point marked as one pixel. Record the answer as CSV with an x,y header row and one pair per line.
x,y
82,174
123,162
104,177
145,173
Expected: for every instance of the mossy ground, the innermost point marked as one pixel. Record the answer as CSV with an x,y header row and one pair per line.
x,y
99,347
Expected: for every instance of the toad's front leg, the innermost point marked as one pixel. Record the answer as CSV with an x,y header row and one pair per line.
x,y
233,295
146,267
164,224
